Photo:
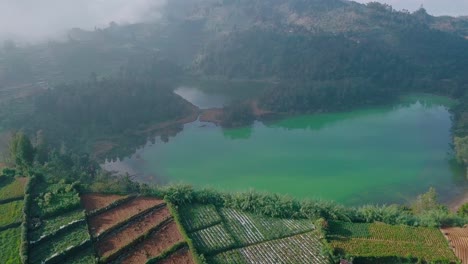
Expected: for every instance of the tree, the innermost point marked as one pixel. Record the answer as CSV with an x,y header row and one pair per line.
x,y
21,152
461,147
426,202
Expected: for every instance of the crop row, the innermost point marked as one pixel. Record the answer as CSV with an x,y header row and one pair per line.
x,y
242,226
211,239
304,248
11,212
51,225
350,230
10,245
405,233
273,228
384,248
196,217
59,243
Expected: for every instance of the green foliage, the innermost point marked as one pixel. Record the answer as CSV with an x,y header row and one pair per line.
x,y
21,152
195,217
237,114
463,210
10,241
426,202
56,199
85,257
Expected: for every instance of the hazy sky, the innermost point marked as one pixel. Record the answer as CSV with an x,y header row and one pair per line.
x,y
37,18
433,7
34,19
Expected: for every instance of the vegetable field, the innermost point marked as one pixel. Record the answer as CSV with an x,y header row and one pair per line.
x,y
10,246
12,188
382,240
305,248
50,225
233,236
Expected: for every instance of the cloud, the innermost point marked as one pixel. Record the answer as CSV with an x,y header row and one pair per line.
x,y
34,19
434,7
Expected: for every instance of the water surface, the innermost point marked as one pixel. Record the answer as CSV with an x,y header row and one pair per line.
x,y
379,155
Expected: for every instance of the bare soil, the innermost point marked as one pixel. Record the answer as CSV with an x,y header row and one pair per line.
x,y
92,202
156,244
458,239
124,237
182,256
108,219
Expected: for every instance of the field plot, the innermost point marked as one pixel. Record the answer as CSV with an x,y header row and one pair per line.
x,y
122,213
158,242
211,239
304,248
242,226
84,257
458,239
12,188
182,256
113,242
50,225
58,243
381,240
10,241
11,212
196,217
95,201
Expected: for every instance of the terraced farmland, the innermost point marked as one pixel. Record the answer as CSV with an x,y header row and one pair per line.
x,y
379,240
12,188
58,229
233,236
458,239
10,246
134,230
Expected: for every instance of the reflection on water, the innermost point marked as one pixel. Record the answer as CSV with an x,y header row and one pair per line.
x,y
382,155
201,99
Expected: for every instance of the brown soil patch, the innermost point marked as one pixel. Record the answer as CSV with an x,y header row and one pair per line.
x,y
92,202
182,256
108,219
458,239
213,115
156,244
118,240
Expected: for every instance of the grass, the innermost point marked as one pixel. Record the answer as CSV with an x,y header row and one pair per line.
x,y
13,188
11,212
52,224
58,243
382,240
10,241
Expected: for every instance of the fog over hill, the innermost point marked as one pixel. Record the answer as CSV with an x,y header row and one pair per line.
x,y
433,7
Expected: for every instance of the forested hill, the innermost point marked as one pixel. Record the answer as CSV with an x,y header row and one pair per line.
x,y
328,54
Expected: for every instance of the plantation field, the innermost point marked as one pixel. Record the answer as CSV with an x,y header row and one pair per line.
x,y
58,243
50,225
156,243
196,217
113,242
101,222
94,201
234,236
12,188
305,248
11,212
10,241
381,240
458,239
211,239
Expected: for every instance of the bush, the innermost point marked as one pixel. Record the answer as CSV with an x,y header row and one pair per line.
x,y
463,210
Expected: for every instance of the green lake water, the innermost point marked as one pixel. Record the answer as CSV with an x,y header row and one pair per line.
x,y
379,155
